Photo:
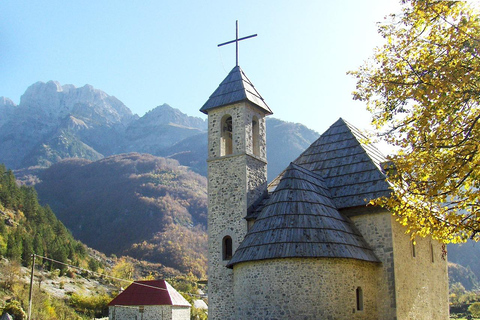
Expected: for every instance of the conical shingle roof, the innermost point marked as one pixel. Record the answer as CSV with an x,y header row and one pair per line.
x,y
236,87
351,167
300,220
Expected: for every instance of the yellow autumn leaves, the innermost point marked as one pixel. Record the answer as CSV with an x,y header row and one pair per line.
x,y
423,90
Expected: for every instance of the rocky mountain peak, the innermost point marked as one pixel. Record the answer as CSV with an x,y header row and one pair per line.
x,y
7,108
55,101
165,114
6,102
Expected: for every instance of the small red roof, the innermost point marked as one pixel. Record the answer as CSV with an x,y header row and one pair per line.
x,y
150,293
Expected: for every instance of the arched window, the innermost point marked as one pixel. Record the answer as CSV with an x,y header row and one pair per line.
x,y
359,293
227,248
226,146
414,254
255,137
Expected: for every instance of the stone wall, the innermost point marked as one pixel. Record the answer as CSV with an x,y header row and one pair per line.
x,y
148,313
409,287
421,280
256,171
376,227
308,288
235,182
226,212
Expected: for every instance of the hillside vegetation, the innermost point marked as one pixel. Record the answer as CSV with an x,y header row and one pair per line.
x,y
147,207
66,290
28,228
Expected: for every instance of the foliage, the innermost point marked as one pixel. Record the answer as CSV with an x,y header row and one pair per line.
x,y
133,204
461,300
422,88
33,228
198,314
14,309
91,306
123,270
474,309
11,272
184,248
44,307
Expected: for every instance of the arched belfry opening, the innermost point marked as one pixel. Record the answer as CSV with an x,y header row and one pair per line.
x,y
226,139
255,137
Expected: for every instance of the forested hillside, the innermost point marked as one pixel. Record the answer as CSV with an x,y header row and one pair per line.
x,y
63,291
133,204
27,228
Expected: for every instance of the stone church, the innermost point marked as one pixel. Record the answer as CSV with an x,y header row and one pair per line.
x,y
307,246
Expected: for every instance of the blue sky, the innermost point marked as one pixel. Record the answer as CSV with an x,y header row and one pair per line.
x,y
147,53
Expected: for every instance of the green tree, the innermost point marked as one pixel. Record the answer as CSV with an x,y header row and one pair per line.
x,y
93,264
14,245
123,270
59,253
27,249
423,90
474,309
29,202
3,238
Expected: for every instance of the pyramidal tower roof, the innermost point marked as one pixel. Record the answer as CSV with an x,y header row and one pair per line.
x,y
350,166
236,87
300,220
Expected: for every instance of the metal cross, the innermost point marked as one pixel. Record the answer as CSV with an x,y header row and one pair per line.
x,y
237,40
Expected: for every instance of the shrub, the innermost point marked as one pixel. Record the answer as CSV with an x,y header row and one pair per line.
x,y
92,306
474,309
14,309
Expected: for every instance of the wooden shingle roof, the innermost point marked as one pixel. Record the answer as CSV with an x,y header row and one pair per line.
x,y
351,167
236,87
300,220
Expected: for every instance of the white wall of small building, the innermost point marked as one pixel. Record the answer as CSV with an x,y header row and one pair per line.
x,y
149,313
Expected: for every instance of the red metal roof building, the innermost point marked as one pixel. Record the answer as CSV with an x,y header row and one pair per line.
x,y
151,299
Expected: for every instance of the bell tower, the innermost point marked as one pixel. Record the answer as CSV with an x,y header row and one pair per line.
x,y
237,178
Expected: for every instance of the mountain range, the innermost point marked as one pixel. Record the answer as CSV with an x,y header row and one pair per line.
x,y
54,122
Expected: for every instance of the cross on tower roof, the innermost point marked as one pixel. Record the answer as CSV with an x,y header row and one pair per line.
x,y
236,41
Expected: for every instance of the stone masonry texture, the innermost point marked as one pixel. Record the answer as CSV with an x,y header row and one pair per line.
x,y
149,313
235,182
305,288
